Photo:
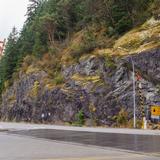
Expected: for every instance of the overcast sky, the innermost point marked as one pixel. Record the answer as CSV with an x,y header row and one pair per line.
x,y
12,13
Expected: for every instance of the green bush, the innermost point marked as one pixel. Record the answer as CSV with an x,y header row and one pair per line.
x,y
109,62
59,79
123,25
79,118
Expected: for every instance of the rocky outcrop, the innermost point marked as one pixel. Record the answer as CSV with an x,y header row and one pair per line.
x,y
98,87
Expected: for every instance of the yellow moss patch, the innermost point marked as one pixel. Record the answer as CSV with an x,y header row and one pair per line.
x,y
104,52
12,99
84,57
35,89
92,108
50,86
31,69
6,84
85,79
69,91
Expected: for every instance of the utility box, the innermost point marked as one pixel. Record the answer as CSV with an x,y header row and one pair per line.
x,y
155,113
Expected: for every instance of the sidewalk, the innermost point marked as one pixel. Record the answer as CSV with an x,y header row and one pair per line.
x,y
27,126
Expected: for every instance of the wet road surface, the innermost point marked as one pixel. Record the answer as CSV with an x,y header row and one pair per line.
x,y
15,147
139,143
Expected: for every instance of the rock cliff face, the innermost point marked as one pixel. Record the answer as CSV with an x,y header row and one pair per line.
x,y
98,86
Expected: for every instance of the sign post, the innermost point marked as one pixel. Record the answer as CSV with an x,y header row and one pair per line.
x,y
134,94
144,120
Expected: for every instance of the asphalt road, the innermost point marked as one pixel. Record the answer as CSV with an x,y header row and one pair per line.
x,y
14,147
149,144
49,142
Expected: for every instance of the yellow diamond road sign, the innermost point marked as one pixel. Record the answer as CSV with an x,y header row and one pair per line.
x,y
155,110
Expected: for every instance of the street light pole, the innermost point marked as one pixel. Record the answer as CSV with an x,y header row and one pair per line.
x,y
134,94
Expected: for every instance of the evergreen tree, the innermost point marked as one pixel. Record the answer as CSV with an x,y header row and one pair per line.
x,y
10,53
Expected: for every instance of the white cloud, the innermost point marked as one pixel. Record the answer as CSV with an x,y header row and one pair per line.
x,y
12,13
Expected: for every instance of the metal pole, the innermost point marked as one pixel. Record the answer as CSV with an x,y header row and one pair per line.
x,y
134,95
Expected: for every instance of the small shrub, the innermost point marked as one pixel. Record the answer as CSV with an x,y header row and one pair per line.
x,y
79,118
123,25
138,123
109,62
59,79
122,118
